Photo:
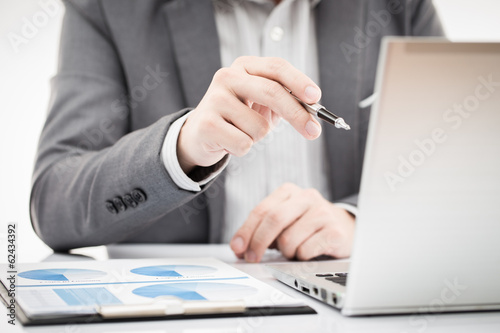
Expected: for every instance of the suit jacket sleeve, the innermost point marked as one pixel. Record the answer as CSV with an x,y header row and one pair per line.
x,y
421,20
87,156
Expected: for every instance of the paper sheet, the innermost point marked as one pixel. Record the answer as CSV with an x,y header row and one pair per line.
x,y
77,287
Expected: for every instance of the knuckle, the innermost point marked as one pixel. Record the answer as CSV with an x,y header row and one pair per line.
x,y
297,114
244,147
273,89
258,212
302,253
277,65
237,61
334,234
210,124
326,245
297,77
275,219
312,193
204,124
219,97
324,210
242,60
332,251
223,74
288,187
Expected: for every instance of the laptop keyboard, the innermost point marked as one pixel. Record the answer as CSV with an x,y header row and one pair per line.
x,y
340,278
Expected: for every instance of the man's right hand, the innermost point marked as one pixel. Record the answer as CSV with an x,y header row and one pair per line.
x,y
240,107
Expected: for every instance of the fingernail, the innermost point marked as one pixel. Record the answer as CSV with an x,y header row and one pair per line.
x,y
312,128
312,93
237,244
250,256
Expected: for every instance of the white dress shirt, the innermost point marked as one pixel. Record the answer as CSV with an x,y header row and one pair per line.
x,y
261,28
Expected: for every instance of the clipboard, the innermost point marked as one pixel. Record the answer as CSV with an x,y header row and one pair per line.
x,y
206,303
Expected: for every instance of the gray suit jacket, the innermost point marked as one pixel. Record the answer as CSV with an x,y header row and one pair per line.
x,y
128,69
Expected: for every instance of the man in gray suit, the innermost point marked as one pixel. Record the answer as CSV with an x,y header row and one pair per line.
x,y
143,121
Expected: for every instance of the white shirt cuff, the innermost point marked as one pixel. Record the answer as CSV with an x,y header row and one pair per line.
x,y
171,161
350,208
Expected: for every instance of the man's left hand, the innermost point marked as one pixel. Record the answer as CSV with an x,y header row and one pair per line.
x,y
299,222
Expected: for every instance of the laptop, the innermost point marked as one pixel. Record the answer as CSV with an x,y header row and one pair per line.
x,y
428,230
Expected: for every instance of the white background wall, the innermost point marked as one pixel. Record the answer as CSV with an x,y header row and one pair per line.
x,y
24,92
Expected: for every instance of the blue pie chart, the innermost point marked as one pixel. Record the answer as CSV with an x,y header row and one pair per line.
x,y
174,270
197,291
62,274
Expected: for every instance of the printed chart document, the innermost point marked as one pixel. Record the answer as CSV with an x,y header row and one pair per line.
x,y
53,292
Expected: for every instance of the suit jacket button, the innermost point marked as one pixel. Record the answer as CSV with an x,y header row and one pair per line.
x,y
111,207
119,204
138,195
129,201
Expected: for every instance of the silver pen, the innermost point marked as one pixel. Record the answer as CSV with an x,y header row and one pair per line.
x,y
322,113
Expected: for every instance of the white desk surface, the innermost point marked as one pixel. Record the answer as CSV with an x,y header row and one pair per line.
x,y
327,319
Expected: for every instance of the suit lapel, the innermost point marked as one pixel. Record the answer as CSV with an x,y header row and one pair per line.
x,y
191,26
339,80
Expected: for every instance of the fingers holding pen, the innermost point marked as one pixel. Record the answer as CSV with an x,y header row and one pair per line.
x,y
265,83
281,71
241,106
273,95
